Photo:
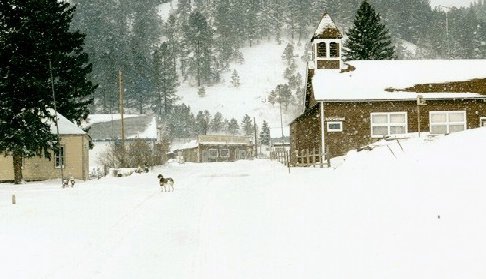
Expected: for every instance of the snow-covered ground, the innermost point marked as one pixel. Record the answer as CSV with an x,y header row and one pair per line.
x,y
413,213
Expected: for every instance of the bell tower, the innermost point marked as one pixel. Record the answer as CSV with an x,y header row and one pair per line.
x,y
327,45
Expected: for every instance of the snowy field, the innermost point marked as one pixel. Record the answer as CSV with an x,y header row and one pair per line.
x,y
414,213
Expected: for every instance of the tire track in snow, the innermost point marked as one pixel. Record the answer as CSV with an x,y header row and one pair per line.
x,y
92,257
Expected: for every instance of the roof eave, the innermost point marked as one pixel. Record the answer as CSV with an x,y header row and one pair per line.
x,y
399,100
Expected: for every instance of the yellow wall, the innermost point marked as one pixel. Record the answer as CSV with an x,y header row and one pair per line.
x,y
76,162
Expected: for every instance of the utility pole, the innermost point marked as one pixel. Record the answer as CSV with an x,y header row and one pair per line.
x,y
61,155
120,85
256,144
281,120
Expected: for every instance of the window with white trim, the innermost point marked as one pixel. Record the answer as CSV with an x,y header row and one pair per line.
x,y
334,126
446,122
482,121
59,158
224,153
213,153
334,49
388,124
241,154
321,49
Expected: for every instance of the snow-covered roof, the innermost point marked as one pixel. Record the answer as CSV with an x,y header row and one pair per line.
x,y
183,145
100,117
327,29
66,127
223,139
370,79
105,127
210,140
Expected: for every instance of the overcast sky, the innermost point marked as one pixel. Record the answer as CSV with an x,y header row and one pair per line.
x,y
457,3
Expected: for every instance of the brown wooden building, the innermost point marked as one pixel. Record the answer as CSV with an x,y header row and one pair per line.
x,y
215,148
350,105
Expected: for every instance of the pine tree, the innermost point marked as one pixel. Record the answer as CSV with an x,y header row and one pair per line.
x,y
288,54
233,127
202,122
144,35
106,32
480,41
35,35
216,124
369,38
201,91
247,125
228,38
281,95
250,20
121,36
182,122
173,37
265,133
295,81
165,79
235,79
199,40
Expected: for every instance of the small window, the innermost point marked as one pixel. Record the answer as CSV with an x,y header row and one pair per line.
x,y
445,122
224,153
59,157
321,50
335,126
213,153
334,49
241,154
388,124
482,121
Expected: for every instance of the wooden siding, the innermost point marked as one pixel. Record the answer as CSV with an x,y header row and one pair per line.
x,y
190,154
233,149
357,127
41,168
328,64
196,154
305,132
329,33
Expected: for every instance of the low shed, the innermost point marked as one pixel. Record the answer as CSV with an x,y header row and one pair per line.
x,y
215,148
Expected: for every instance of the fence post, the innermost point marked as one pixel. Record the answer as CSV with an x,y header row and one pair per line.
x,y
307,159
327,157
321,157
314,157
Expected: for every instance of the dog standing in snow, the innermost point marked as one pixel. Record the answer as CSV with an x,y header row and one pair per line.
x,y
166,183
68,182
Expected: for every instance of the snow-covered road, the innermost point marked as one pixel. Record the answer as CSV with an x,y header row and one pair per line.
x,y
128,228
416,214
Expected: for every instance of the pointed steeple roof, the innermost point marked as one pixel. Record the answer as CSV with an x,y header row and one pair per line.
x,y
327,29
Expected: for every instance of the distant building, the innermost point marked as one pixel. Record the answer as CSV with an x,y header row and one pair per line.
x,y
74,154
215,148
108,127
280,144
351,104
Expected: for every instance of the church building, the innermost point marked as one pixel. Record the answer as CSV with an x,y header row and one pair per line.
x,y
351,104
